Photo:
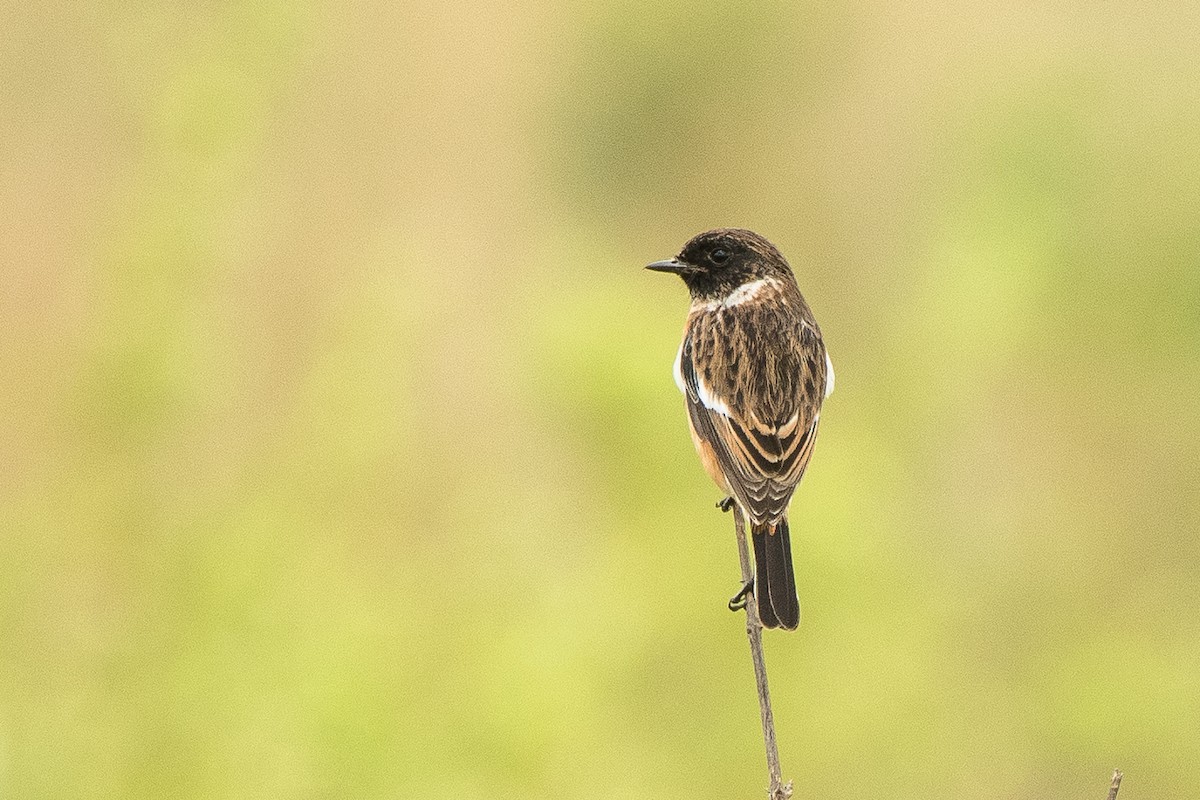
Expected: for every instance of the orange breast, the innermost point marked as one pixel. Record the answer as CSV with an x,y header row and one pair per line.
x,y
709,459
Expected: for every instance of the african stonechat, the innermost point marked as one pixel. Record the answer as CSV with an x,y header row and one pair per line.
x,y
755,372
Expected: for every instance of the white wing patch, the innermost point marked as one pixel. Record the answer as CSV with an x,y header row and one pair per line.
x,y
828,375
707,398
710,401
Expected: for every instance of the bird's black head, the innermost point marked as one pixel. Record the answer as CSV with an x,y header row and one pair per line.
x,y
715,263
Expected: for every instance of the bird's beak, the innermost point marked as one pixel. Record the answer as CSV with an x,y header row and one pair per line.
x,y
672,265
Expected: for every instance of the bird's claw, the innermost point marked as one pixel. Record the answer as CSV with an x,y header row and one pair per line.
x,y
726,504
738,601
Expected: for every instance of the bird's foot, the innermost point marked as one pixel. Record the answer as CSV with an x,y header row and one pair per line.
x,y
738,601
726,504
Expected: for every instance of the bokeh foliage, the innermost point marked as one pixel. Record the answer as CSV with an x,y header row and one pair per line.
x,y
341,456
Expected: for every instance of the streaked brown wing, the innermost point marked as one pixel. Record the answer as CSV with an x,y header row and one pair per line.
x,y
760,415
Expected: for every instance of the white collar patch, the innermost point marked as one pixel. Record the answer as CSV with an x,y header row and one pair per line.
x,y
746,292
742,294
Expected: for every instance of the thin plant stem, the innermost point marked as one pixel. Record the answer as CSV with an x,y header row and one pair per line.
x,y
778,789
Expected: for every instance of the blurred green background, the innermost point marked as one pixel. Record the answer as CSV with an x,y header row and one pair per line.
x,y
341,455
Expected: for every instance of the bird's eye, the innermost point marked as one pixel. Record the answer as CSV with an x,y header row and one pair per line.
x,y
719,256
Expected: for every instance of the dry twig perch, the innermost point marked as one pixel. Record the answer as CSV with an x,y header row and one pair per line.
x,y
1116,784
778,790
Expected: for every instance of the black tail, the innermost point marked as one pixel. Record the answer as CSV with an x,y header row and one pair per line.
x,y
774,581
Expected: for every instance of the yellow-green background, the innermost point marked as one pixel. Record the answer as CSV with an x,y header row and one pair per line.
x,y
340,452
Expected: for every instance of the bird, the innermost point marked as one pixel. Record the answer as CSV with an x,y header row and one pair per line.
x,y
754,372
